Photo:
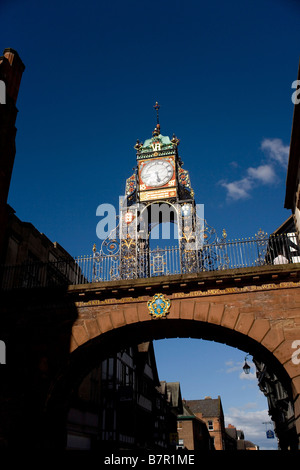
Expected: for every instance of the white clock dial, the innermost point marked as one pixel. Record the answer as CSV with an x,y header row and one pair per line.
x,y
157,173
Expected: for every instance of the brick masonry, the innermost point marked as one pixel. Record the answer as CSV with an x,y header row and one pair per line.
x,y
264,314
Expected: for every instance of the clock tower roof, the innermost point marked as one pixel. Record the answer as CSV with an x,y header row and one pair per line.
x,y
158,141
164,140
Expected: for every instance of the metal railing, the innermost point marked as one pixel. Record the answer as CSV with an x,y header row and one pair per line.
x,y
41,274
99,267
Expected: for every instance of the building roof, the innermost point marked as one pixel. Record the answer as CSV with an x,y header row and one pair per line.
x,y
234,433
287,226
244,445
188,415
208,407
173,393
146,355
231,432
187,412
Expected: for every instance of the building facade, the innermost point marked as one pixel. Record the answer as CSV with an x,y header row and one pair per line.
x,y
192,432
238,436
32,260
210,411
280,406
208,432
20,241
121,405
11,71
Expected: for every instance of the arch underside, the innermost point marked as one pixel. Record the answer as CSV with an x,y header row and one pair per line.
x,y
91,353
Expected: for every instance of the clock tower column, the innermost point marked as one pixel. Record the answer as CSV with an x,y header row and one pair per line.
x,y
160,187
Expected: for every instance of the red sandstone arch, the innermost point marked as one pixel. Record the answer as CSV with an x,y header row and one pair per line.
x,y
269,316
263,320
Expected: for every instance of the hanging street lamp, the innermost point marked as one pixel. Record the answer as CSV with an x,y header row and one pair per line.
x,y
246,367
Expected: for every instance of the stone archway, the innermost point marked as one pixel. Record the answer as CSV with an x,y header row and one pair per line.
x,y
268,316
261,318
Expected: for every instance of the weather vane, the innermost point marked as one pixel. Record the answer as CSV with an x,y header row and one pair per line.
x,y
156,107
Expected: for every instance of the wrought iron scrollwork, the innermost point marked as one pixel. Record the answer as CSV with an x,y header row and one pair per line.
x,y
262,240
130,257
106,260
201,249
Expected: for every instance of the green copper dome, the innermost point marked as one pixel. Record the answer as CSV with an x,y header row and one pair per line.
x,y
164,140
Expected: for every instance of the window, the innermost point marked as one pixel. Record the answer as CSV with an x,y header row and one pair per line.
x,y
180,444
179,424
210,425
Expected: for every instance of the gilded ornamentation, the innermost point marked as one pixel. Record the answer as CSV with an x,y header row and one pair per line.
x,y
159,306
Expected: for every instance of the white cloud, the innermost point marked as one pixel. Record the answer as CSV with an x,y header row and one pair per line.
x,y
252,423
264,173
233,366
250,376
238,189
276,152
250,406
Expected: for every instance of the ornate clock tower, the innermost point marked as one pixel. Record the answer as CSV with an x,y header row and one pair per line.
x,y
158,191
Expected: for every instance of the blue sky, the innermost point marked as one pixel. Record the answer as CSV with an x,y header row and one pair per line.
x,y
206,368
222,73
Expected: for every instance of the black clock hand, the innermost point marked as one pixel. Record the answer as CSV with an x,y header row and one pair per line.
x,y
158,178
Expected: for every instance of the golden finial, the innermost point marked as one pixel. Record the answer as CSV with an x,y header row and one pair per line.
x,y
175,140
138,145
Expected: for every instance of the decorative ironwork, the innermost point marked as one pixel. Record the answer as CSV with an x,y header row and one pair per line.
x,y
159,306
106,263
32,275
106,260
158,263
213,253
262,243
130,187
128,258
126,255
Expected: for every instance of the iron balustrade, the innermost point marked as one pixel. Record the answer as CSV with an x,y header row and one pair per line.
x,y
100,267
40,274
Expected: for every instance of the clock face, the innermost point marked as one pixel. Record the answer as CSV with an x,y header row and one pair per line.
x,y
157,173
